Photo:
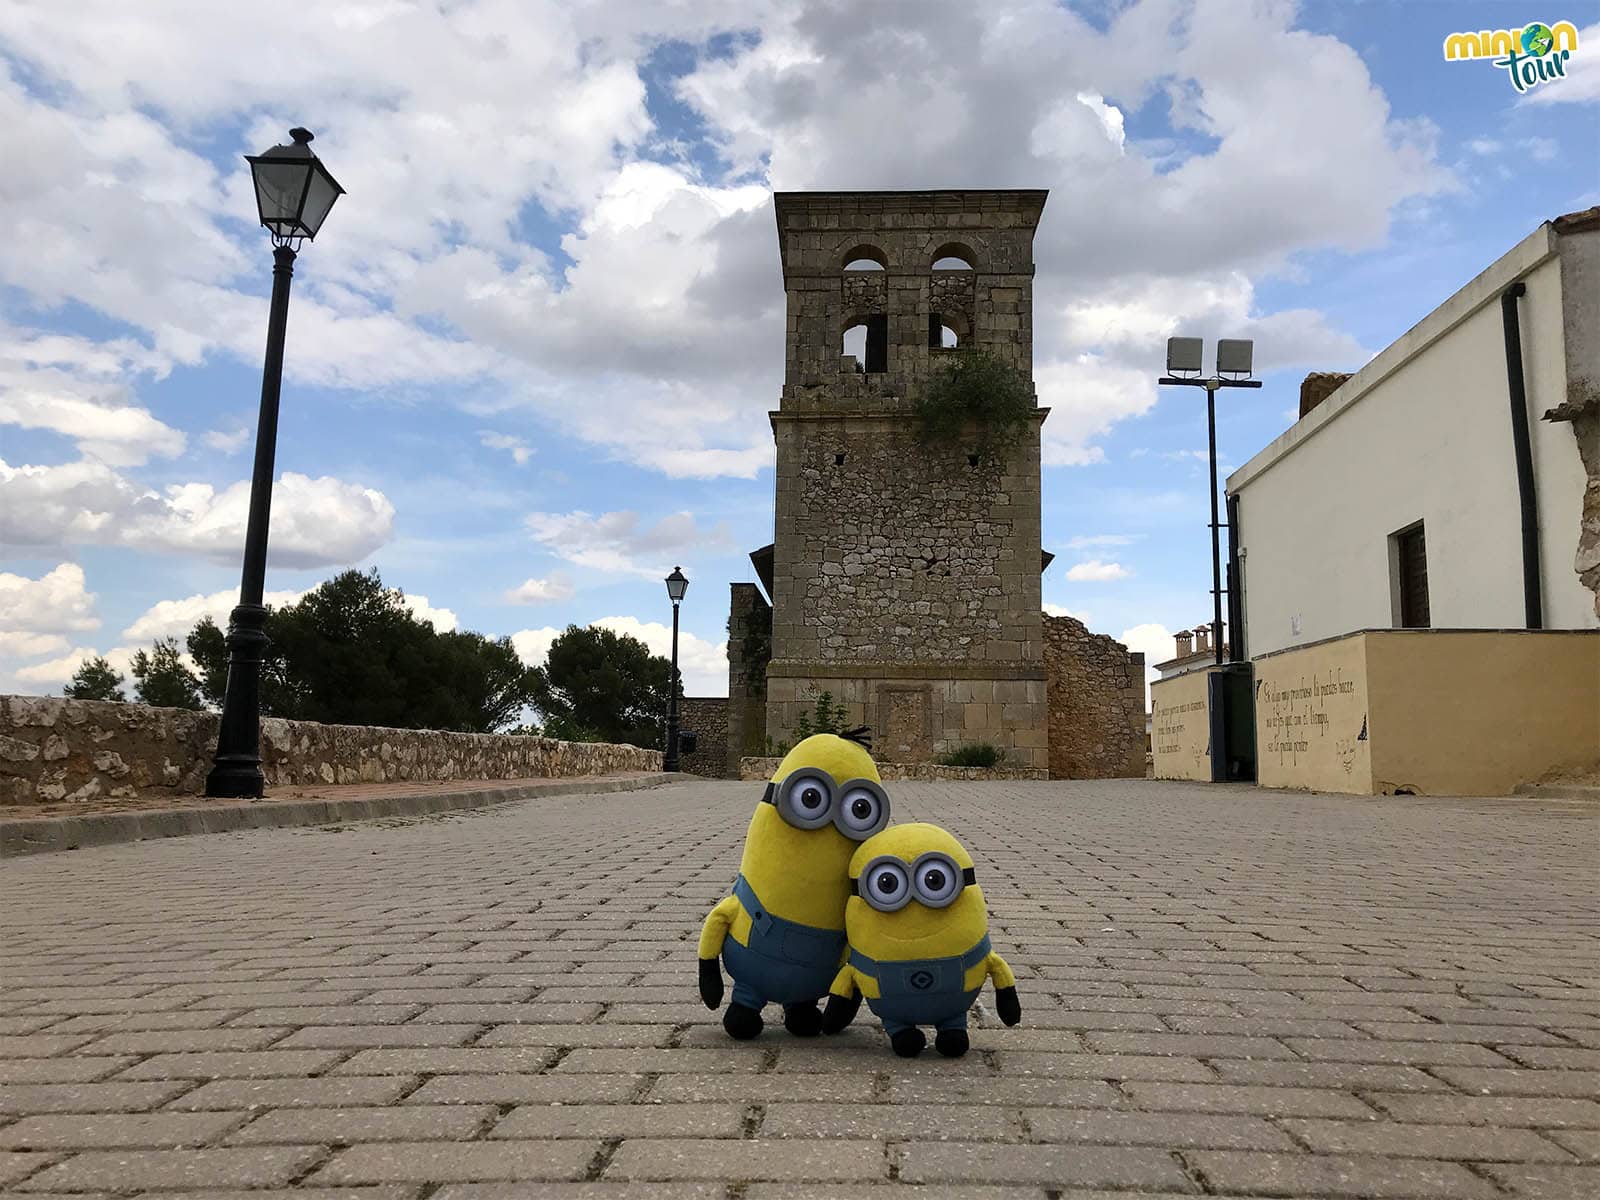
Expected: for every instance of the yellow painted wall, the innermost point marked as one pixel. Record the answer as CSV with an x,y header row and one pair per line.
x,y
1311,717
1477,713
1444,712
1180,727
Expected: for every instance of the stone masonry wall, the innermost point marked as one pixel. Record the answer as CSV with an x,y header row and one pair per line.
x,y
1096,703
758,769
749,651
53,749
707,717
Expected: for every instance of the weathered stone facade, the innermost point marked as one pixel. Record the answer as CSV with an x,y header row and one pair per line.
x,y
707,718
749,651
1097,714
905,577
53,749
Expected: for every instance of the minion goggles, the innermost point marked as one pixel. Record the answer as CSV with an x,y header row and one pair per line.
x,y
889,883
810,798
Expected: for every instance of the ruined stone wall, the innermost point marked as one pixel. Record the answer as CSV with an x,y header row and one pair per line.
x,y
757,769
749,651
1097,713
54,749
707,717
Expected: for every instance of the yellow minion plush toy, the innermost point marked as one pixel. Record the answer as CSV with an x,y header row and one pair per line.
x,y
919,942
781,933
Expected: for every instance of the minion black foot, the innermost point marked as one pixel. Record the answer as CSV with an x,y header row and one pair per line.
x,y
741,1021
952,1043
908,1043
802,1020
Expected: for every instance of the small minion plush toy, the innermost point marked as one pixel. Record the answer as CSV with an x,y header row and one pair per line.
x,y
781,932
919,942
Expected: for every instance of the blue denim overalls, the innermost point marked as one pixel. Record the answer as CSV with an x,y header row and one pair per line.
x,y
785,962
922,991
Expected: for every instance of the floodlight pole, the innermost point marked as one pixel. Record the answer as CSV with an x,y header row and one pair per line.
x,y
1211,385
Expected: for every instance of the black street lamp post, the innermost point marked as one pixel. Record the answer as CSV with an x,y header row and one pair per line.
x,y
677,585
294,193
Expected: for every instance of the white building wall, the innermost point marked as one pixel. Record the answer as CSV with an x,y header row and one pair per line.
x,y
1422,433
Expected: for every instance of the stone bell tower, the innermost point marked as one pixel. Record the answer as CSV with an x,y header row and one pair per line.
x,y
904,578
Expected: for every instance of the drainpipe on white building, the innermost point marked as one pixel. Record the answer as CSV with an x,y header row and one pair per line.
x,y
1522,446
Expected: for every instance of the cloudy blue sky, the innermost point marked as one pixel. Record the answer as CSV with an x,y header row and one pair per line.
x,y
531,354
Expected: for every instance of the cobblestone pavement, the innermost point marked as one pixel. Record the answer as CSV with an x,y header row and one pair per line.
x,y
1224,991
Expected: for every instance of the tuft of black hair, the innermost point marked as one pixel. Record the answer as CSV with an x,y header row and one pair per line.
x,y
861,735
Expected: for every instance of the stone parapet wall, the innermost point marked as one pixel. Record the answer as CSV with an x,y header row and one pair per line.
x,y
53,749
707,718
1097,714
758,769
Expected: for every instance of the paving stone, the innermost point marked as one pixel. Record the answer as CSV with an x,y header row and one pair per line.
x,y
1556,1112
1013,1091
534,1122
766,1158
923,1122
1425,1141
104,1131
458,1162
378,1036
1170,1130
1051,1166
87,1097
331,1091
347,1126
594,1036
585,1191
1254,1173
663,1060
462,1060
527,1089
1103,1066
759,1089
1585,1143
259,1064
15,1165
127,1170
1547,1181
1348,1076
1256,1101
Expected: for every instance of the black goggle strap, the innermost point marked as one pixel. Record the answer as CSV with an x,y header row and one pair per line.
x,y
969,876
770,796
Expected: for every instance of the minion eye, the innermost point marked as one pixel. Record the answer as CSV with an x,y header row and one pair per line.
x,y
805,799
863,811
886,884
936,880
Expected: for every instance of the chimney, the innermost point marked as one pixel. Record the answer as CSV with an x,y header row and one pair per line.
x,y
1202,638
1183,637
1317,387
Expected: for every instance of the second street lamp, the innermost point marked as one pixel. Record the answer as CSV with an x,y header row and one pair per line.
x,y
294,193
677,586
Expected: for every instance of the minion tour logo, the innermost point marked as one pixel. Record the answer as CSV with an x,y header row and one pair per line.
x,y
1535,54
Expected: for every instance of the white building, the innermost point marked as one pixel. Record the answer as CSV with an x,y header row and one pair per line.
x,y
1403,499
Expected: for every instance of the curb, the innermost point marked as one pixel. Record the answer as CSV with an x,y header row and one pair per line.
x,y
1561,791
45,835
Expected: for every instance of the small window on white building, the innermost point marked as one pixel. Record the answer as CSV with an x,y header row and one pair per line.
x,y
1408,574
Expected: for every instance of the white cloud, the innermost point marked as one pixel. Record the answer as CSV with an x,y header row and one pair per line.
x,y
30,645
1061,610
228,441
1582,83
1095,571
55,672
618,543
176,618
1155,642
662,315
703,664
315,522
533,645
76,387
1087,541
540,591
57,602
519,450
444,620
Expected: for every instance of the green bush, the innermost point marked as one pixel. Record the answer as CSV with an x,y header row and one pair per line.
x,y
975,399
977,754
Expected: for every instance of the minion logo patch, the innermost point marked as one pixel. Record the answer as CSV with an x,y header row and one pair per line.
x,y
920,980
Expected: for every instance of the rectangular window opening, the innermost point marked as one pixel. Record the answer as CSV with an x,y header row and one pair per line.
x,y
1408,565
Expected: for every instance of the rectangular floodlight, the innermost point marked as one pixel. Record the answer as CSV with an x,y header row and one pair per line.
x,y
1184,355
1234,355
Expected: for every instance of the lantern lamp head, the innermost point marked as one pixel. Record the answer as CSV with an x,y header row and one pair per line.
x,y
677,584
294,191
